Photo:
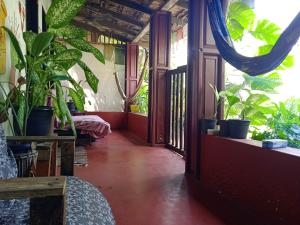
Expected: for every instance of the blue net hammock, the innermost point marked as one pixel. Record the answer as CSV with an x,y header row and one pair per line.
x,y
251,65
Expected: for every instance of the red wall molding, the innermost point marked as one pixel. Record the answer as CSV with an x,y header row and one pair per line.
x,y
266,182
138,125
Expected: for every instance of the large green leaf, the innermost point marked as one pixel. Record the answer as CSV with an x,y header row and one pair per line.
x,y
38,95
58,77
91,78
233,89
41,42
79,89
59,47
69,31
235,29
288,62
264,83
232,100
16,44
68,58
61,12
265,49
62,107
241,13
83,45
256,117
21,112
70,120
77,99
29,38
256,99
266,31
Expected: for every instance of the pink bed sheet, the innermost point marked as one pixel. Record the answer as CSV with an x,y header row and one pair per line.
x,y
92,125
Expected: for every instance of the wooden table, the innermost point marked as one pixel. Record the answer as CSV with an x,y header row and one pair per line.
x,y
67,144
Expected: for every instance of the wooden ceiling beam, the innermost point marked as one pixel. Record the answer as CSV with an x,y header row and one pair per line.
x,y
117,27
96,8
166,7
97,30
135,6
183,4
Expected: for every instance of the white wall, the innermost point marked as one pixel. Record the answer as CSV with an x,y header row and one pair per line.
x,y
15,20
108,98
42,4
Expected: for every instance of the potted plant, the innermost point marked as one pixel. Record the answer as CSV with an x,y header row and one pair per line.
x,y
210,123
44,67
242,104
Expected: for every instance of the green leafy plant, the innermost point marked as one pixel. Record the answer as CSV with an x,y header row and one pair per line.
x,y
46,63
268,119
241,21
283,122
249,100
142,97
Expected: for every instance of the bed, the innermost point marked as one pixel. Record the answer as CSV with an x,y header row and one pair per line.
x,y
88,127
92,125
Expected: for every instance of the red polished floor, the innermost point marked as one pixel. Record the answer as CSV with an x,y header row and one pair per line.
x,y
144,185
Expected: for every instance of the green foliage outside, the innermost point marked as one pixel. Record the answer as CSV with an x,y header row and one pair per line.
x,y
142,97
251,97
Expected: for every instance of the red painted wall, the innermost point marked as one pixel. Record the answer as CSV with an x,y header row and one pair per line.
x,y
117,120
138,125
266,182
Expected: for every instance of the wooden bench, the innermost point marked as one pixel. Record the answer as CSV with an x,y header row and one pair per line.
x,y
47,197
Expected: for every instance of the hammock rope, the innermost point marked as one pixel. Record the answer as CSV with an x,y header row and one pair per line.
x,y
140,82
251,65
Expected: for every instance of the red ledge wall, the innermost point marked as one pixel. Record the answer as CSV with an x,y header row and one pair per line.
x,y
264,182
117,120
138,125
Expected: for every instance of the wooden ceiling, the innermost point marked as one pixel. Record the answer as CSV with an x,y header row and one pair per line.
x,y
128,20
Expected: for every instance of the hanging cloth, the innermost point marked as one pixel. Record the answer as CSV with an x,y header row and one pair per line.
x,y
251,65
140,82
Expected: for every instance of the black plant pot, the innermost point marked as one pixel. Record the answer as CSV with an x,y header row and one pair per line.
x,y
238,128
39,121
224,128
19,147
72,107
206,124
